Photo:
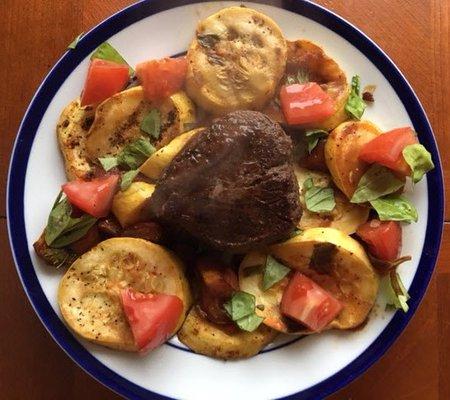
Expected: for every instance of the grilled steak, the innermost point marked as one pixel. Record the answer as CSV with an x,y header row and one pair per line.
x,y
232,186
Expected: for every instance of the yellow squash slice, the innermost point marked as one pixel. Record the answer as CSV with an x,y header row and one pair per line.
x,y
346,271
159,160
72,130
342,149
236,60
215,341
89,292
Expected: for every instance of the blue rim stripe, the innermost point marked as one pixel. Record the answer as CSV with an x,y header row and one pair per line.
x,y
51,84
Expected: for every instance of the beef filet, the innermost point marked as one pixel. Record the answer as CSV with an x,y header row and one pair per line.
x,y
232,186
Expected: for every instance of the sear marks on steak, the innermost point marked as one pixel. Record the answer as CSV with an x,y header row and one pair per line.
x,y
232,186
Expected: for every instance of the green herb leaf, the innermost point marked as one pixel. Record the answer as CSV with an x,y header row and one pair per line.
x,y
419,160
127,179
134,154
107,52
242,304
313,136
250,322
108,163
77,229
151,124
208,41
228,308
295,233
61,228
318,199
397,295
75,41
355,105
58,220
395,208
274,272
378,181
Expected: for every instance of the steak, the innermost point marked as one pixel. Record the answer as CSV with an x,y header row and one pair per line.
x,y
232,186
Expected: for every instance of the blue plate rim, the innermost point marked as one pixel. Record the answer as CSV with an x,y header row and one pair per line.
x,y
53,81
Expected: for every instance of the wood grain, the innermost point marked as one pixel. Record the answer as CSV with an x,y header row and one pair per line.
x,y
414,33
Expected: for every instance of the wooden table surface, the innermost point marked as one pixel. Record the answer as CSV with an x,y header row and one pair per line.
x,y
34,33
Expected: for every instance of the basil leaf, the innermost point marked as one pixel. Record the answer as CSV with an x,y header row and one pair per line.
x,y
127,179
395,208
295,233
396,293
228,308
313,136
108,163
58,220
75,41
151,123
107,52
134,154
250,322
419,160
76,230
241,305
355,105
376,182
274,272
208,41
318,199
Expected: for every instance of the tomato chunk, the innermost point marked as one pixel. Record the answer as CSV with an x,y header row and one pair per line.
x,y
152,317
306,302
305,103
161,78
383,238
386,149
93,197
104,79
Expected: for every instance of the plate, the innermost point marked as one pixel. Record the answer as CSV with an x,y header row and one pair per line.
x,y
312,367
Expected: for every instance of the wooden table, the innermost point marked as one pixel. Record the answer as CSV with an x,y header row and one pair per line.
x,y
414,33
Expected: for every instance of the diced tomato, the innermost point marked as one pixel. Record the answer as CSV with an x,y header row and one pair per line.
x,y
315,160
383,238
104,79
386,149
218,283
305,103
161,78
89,240
93,197
306,302
152,317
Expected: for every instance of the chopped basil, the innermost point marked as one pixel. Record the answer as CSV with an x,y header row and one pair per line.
x,y
313,136
134,154
295,233
151,124
250,322
394,208
75,41
108,163
61,228
378,181
419,160
127,179
107,52
355,105
397,295
318,199
274,272
241,309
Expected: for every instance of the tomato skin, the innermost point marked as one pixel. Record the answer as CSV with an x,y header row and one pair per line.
x,y
315,160
382,237
306,302
305,103
152,317
104,79
93,197
386,149
161,78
